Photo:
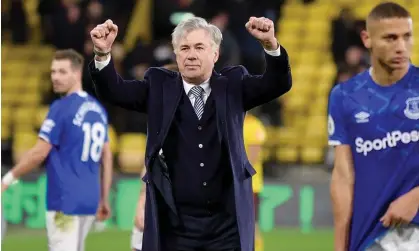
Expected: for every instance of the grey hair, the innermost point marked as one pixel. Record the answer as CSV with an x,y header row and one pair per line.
x,y
195,23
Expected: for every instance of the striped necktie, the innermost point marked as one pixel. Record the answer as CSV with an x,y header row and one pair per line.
x,y
198,92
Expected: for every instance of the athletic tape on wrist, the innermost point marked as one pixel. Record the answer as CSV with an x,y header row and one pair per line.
x,y
8,179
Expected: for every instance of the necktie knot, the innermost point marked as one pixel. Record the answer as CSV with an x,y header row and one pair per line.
x,y
197,91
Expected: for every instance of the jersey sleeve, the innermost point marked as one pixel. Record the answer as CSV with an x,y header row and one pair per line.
x,y
336,125
52,126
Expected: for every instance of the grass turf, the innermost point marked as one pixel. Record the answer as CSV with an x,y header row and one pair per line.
x,y
111,240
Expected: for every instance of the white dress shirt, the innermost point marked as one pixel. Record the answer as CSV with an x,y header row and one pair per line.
x,y
186,86
207,90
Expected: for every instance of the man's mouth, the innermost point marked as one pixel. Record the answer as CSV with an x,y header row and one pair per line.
x,y
398,60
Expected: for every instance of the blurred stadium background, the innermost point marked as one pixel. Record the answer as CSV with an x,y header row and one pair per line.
x,y
321,36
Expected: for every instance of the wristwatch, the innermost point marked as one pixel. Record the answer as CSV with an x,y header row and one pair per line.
x,y
100,54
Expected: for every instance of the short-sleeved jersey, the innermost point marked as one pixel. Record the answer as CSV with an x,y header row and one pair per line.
x,y
77,128
255,134
381,125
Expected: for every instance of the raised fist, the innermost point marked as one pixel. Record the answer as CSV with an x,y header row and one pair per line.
x,y
103,36
263,30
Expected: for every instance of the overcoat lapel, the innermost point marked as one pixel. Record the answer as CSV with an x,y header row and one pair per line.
x,y
172,92
219,90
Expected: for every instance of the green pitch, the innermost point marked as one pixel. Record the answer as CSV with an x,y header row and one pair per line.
x,y
111,240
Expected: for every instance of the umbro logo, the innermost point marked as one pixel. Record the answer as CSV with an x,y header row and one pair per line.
x,y
362,117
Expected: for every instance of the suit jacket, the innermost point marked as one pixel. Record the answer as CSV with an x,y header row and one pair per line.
x,y
235,92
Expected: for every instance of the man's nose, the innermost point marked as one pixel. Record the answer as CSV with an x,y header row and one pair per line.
x,y
54,79
401,46
191,55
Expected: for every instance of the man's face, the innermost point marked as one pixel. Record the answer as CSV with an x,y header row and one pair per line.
x,y
196,56
353,55
63,76
390,41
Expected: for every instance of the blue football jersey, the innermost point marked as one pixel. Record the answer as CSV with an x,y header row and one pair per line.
x,y
381,125
77,128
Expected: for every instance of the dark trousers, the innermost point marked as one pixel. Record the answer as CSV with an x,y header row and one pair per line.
x,y
235,249
217,232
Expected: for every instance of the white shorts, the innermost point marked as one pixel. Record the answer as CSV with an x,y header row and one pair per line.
x,y
67,232
136,239
404,238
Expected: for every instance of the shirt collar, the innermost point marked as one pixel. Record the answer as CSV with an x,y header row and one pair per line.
x,y
205,85
82,94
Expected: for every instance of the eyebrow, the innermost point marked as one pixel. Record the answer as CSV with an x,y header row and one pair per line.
x,y
197,44
396,35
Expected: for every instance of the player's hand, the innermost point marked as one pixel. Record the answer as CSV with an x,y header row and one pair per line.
x,y
3,187
401,211
103,36
263,30
104,211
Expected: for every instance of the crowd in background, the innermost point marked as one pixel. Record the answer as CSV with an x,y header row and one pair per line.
x,y
67,23
349,53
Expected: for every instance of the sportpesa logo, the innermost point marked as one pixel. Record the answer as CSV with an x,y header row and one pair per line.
x,y
392,139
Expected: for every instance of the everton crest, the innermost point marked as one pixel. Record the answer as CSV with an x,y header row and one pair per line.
x,y
412,108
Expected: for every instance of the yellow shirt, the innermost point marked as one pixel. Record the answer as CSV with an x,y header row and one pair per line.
x,y
255,134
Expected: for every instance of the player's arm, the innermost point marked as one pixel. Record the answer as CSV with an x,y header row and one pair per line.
x,y
139,217
253,153
402,210
414,193
341,190
107,165
32,159
49,136
104,210
342,182
255,136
